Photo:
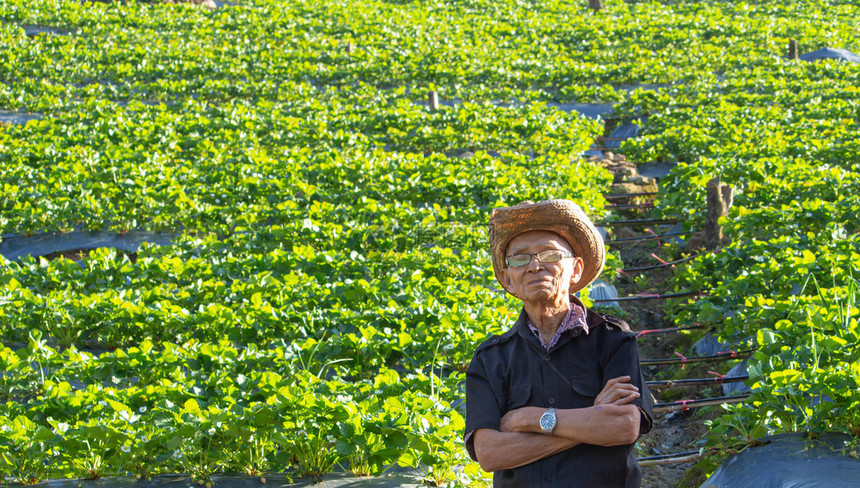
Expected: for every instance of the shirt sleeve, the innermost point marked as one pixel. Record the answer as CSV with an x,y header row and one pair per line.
x,y
624,361
482,407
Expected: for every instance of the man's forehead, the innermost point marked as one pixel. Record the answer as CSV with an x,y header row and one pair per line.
x,y
541,238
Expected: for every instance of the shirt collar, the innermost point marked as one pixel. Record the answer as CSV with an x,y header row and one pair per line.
x,y
574,321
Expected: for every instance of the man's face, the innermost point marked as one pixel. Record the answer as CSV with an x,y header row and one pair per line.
x,y
536,281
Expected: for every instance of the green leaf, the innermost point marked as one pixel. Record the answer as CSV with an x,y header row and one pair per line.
x,y
13,284
344,448
765,337
43,434
191,406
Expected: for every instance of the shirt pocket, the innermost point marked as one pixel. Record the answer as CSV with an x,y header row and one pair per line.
x,y
518,396
588,386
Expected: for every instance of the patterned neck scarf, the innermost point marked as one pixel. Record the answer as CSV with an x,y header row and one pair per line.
x,y
574,322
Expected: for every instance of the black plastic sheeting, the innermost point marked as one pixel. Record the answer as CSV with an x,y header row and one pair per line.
x,y
730,389
627,130
601,290
332,480
8,117
589,110
35,30
709,345
17,247
831,53
791,461
658,169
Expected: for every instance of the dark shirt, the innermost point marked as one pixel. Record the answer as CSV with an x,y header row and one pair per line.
x,y
513,370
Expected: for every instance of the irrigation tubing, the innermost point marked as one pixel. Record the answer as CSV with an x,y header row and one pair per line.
x,y
629,206
647,237
614,196
666,264
601,138
720,356
692,326
706,402
678,457
652,296
606,223
718,380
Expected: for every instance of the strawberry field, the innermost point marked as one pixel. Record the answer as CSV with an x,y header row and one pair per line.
x,y
329,276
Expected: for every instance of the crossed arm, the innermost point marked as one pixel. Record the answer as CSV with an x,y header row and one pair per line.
x,y
519,441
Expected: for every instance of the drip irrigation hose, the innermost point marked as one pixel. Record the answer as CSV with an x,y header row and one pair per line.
x,y
706,402
719,380
613,196
628,206
601,138
661,265
647,238
607,223
678,457
720,356
651,296
671,329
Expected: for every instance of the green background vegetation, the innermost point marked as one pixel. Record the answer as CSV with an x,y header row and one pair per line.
x,y
331,279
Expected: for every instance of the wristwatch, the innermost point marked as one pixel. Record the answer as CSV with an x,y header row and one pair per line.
x,y
547,421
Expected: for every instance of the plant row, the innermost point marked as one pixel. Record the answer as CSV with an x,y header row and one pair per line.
x,y
205,408
473,49
787,282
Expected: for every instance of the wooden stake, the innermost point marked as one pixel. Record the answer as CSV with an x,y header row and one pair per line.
x,y
596,5
433,100
350,47
792,50
719,200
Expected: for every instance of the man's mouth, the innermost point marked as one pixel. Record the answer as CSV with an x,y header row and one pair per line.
x,y
541,281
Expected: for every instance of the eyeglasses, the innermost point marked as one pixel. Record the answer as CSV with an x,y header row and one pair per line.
x,y
548,256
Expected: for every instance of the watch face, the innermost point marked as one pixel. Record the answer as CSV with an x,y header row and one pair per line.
x,y
547,421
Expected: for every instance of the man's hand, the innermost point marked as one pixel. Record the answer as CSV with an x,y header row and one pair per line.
x,y
618,391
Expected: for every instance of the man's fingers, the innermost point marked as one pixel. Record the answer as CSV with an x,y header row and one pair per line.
x,y
623,389
620,379
624,400
617,391
625,396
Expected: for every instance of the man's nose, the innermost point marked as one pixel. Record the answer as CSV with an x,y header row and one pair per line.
x,y
535,264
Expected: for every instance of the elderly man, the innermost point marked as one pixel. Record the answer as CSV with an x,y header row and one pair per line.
x,y
559,399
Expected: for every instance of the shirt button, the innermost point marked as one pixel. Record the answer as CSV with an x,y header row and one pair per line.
x,y
546,358
551,400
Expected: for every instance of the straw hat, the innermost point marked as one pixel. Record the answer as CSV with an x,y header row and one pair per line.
x,y
563,217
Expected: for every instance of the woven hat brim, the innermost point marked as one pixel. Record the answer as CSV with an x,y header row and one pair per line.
x,y
562,217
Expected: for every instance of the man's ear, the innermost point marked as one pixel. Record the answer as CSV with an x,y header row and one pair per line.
x,y
578,269
505,278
